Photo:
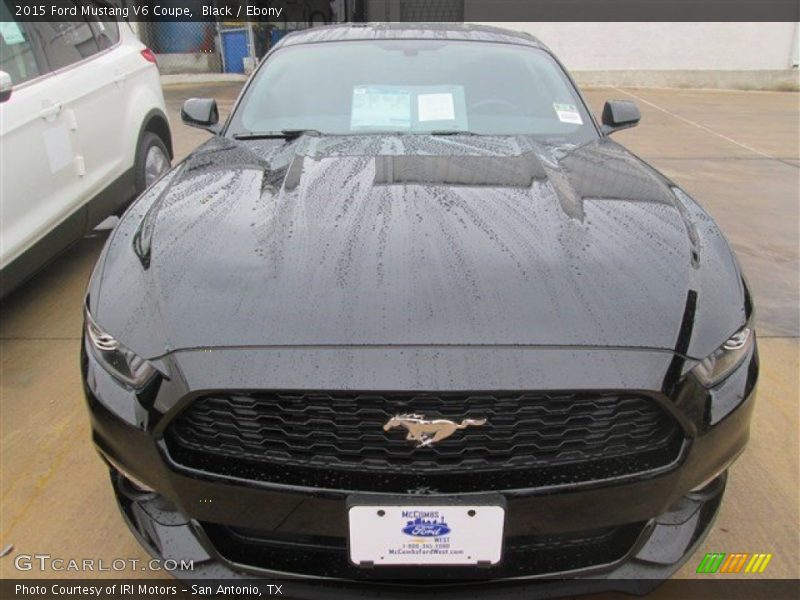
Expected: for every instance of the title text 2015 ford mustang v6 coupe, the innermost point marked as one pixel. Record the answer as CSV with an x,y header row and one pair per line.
x,y
411,320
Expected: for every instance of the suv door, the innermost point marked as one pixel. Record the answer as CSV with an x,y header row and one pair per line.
x,y
90,58
41,185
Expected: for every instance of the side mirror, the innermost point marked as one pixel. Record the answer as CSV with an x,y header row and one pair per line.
x,y
201,113
5,86
620,114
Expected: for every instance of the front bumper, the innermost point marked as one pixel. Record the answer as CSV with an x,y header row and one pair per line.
x,y
662,546
652,522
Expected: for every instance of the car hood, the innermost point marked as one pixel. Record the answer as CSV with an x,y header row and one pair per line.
x,y
414,241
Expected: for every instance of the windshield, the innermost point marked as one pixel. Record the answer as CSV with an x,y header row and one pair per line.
x,y
414,86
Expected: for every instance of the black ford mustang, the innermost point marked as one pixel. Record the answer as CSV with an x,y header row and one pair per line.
x,y
411,320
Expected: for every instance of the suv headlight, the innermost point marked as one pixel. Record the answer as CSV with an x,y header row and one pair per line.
x,y
119,361
726,358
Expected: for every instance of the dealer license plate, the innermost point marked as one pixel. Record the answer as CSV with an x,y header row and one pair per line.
x,y
415,534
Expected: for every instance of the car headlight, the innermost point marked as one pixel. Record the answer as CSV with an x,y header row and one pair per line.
x,y
119,361
726,358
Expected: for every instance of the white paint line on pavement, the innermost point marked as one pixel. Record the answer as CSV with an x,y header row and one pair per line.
x,y
699,126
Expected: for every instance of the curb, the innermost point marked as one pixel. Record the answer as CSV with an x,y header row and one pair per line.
x,y
199,78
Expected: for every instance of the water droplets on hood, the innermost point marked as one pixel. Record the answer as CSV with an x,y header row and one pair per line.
x,y
414,239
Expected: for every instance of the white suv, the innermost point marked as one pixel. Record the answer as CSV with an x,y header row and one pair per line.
x,y
83,130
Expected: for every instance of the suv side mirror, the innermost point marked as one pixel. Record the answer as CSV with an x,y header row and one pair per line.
x,y
5,86
620,114
201,113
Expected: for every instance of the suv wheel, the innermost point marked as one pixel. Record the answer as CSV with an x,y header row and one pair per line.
x,y
152,161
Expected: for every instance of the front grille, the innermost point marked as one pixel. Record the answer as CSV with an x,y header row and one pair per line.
x,y
327,556
336,439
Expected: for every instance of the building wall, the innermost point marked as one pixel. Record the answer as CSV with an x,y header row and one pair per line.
x,y
660,46
716,55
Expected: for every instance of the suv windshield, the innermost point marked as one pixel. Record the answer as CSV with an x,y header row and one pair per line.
x,y
413,86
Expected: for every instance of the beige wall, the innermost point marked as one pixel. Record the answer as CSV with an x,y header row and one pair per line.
x,y
668,46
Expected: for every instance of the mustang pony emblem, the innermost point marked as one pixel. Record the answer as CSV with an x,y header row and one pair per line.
x,y
427,433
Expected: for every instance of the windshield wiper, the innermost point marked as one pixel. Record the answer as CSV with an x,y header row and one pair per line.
x,y
291,134
286,134
450,132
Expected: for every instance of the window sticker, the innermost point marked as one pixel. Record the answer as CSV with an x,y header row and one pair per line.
x,y
11,33
383,107
568,113
435,107
411,107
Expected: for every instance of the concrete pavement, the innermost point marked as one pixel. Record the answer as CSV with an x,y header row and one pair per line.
x,y
737,152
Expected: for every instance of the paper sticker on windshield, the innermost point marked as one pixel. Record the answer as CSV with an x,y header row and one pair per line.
x,y
568,113
436,107
380,107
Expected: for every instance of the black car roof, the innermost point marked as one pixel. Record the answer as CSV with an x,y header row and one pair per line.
x,y
400,31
